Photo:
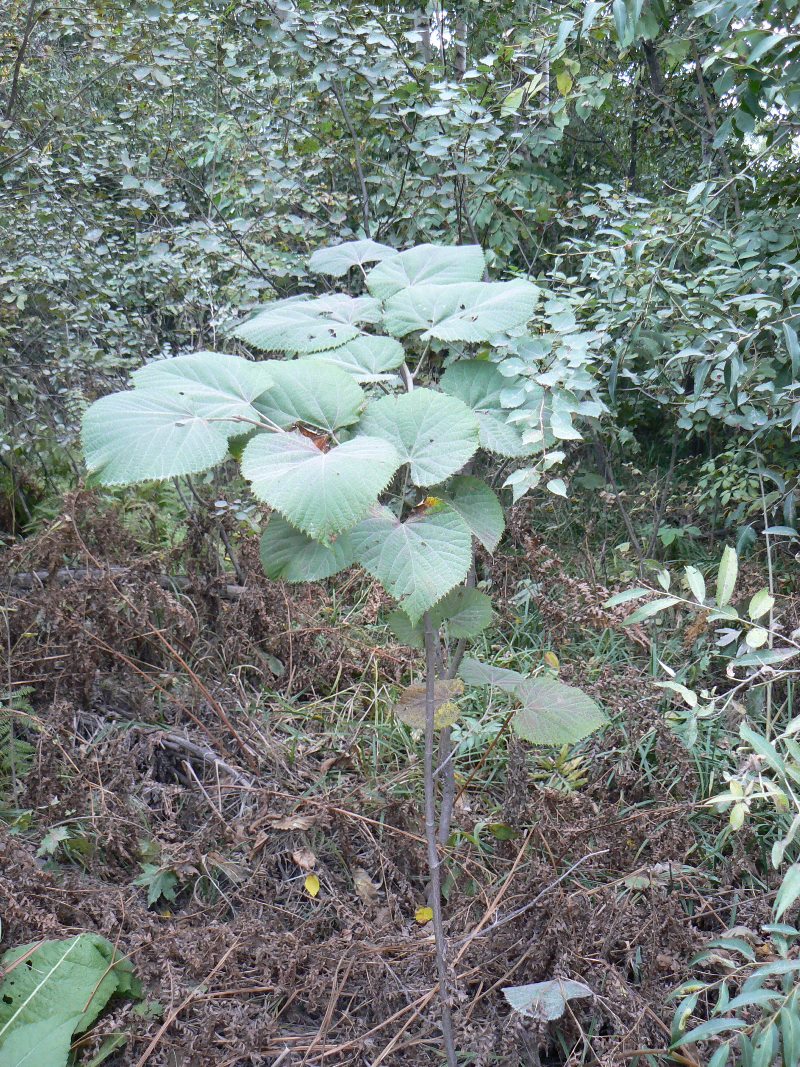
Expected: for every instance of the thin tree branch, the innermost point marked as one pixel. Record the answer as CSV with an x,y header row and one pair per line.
x,y
365,211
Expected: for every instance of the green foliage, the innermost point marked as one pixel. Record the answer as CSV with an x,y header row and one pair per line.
x,y
16,754
53,990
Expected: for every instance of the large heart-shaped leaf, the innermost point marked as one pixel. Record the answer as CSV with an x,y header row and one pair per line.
x,y
292,555
472,312
221,385
313,393
418,561
368,358
338,259
478,507
321,493
296,326
553,713
435,433
442,264
480,384
143,435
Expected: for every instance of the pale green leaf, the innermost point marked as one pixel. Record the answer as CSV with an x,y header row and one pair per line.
x,y
221,385
433,432
480,385
478,506
626,596
474,672
766,657
653,607
557,487
143,435
760,603
289,554
545,1000
417,561
40,1044
312,393
439,264
338,259
553,713
726,576
696,583
298,326
407,632
476,311
757,637
709,1029
321,493
368,358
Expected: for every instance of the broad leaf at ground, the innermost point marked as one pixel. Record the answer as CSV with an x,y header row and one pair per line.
x,y
418,561
321,493
480,385
313,393
472,312
478,506
142,435
369,358
411,707
553,713
289,554
338,259
59,989
435,433
545,1001
297,326
475,672
439,264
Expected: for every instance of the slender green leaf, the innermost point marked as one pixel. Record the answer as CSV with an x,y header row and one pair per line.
x,y
726,576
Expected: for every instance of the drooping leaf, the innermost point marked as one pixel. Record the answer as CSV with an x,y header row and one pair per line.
x,y
553,713
477,311
142,435
297,326
436,434
412,704
338,259
726,576
418,561
545,1001
313,393
440,264
321,493
467,612
59,989
369,358
474,672
289,554
625,597
480,385
789,891
478,506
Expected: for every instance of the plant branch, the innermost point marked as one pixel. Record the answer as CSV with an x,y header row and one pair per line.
x,y
434,868
365,213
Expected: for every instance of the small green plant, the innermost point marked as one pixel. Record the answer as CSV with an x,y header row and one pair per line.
x,y
753,1007
369,447
16,754
54,989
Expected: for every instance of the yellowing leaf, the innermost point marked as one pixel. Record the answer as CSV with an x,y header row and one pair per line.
x,y
551,659
564,82
410,708
311,885
423,915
